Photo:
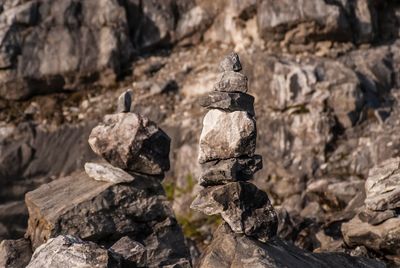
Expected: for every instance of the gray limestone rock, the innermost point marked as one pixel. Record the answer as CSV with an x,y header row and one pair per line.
x,y
243,206
66,251
229,170
228,101
230,63
15,253
232,250
132,143
227,135
383,186
232,82
108,173
125,102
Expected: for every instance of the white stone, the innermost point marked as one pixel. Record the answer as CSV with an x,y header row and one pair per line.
x,y
107,172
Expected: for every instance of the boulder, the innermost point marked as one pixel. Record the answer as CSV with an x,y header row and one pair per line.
x,y
232,82
232,250
227,135
229,170
228,102
70,252
243,206
132,143
108,173
382,186
104,212
15,253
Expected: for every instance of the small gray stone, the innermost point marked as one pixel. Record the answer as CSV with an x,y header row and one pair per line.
x,y
230,63
125,102
383,186
107,172
227,135
132,142
232,82
376,217
133,252
243,206
15,253
228,101
234,169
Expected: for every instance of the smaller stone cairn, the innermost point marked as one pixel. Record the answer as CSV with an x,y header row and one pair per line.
x,y
228,160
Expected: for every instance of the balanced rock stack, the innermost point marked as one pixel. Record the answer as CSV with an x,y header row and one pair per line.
x,y
228,160
119,205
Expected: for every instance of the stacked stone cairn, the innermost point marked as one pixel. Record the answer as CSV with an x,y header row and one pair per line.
x,y
228,160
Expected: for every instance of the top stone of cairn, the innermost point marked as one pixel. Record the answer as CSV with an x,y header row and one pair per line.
x,y
230,63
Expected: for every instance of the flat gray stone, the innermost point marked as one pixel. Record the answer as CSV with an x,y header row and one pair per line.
x,y
382,186
227,135
232,82
230,63
107,172
243,206
234,169
228,101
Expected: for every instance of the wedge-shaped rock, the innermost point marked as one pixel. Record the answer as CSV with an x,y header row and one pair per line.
x,y
108,173
132,252
231,250
243,206
229,101
376,217
229,170
131,142
102,211
15,253
227,135
230,63
232,82
70,252
384,237
383,186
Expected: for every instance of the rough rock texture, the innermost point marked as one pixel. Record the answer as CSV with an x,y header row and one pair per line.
x,y
103,212
125,102
242,205
228,102
232,250
382,186
229,170
133,253
15,253
226,135
106,172
132,143
232,82
230,63
68,251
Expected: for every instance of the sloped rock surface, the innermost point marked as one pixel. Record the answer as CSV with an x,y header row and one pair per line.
x,y
15,253
132,143
106,172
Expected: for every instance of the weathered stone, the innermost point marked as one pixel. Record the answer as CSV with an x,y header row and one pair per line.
x,y
108,173
232,82
70,252
230,63
228,102
15,253
243,206
125,102
382,186
131,142
229,170
381,238
376,217
232,250
227,135
133,252
104,212
192,25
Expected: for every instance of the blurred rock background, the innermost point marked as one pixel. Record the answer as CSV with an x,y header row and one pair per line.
x,y
325,75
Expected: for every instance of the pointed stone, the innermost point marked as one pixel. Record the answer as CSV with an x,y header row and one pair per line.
x,y
125,102
232,82
243,206
234,169
230,63
227,135
108,173
228,101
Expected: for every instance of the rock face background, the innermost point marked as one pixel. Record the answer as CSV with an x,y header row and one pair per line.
x,y
324,76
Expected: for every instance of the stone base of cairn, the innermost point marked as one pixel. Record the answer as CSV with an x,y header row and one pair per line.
x,y
228,159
